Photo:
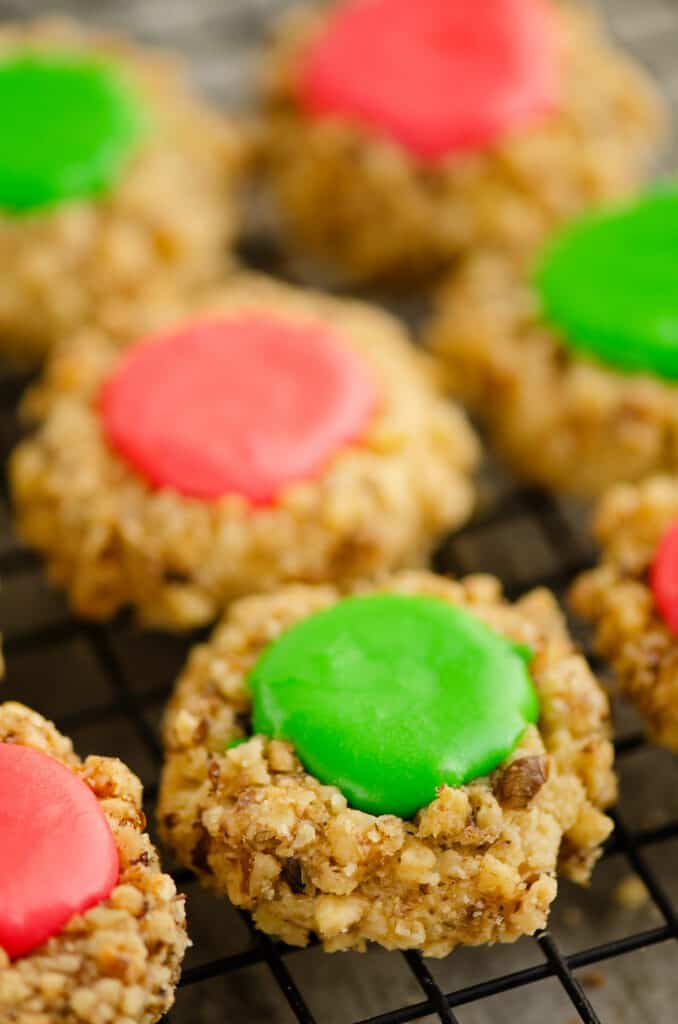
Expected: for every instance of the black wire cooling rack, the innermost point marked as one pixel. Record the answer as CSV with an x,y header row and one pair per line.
x,y
606,958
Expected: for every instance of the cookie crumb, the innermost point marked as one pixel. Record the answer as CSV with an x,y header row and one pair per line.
x,y
631,893
572,917
593,979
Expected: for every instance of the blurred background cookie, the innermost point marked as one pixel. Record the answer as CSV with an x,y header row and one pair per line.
x,y
397,135
571,358
631,598
115,179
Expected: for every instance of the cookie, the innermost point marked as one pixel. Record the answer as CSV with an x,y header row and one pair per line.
x,y
396,136
411,764
101,144
90,927
571,357
265,434
631,598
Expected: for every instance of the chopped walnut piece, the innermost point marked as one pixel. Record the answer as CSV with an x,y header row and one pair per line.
x,y
521,781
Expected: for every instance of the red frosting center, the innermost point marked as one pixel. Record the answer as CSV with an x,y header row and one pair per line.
x,y
244,405
435,76
664,577
58,857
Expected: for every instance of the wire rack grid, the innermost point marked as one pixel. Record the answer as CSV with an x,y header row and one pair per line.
x,y
106,687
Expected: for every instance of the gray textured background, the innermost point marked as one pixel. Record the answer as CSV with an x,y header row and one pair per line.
x,y
87,679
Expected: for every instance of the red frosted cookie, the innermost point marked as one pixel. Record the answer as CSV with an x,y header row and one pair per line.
x,y
398,135
631,598
90,928
436,76
664,577
265,433
57,853
246,405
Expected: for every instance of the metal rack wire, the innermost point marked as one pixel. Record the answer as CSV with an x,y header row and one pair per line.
x,y
106,686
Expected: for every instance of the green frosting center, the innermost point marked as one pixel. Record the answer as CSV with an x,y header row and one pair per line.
x,y
68,125
389,696
609,282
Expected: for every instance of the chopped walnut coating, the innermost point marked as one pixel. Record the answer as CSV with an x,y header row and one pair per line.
x,y
476,865
119,962
617,598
